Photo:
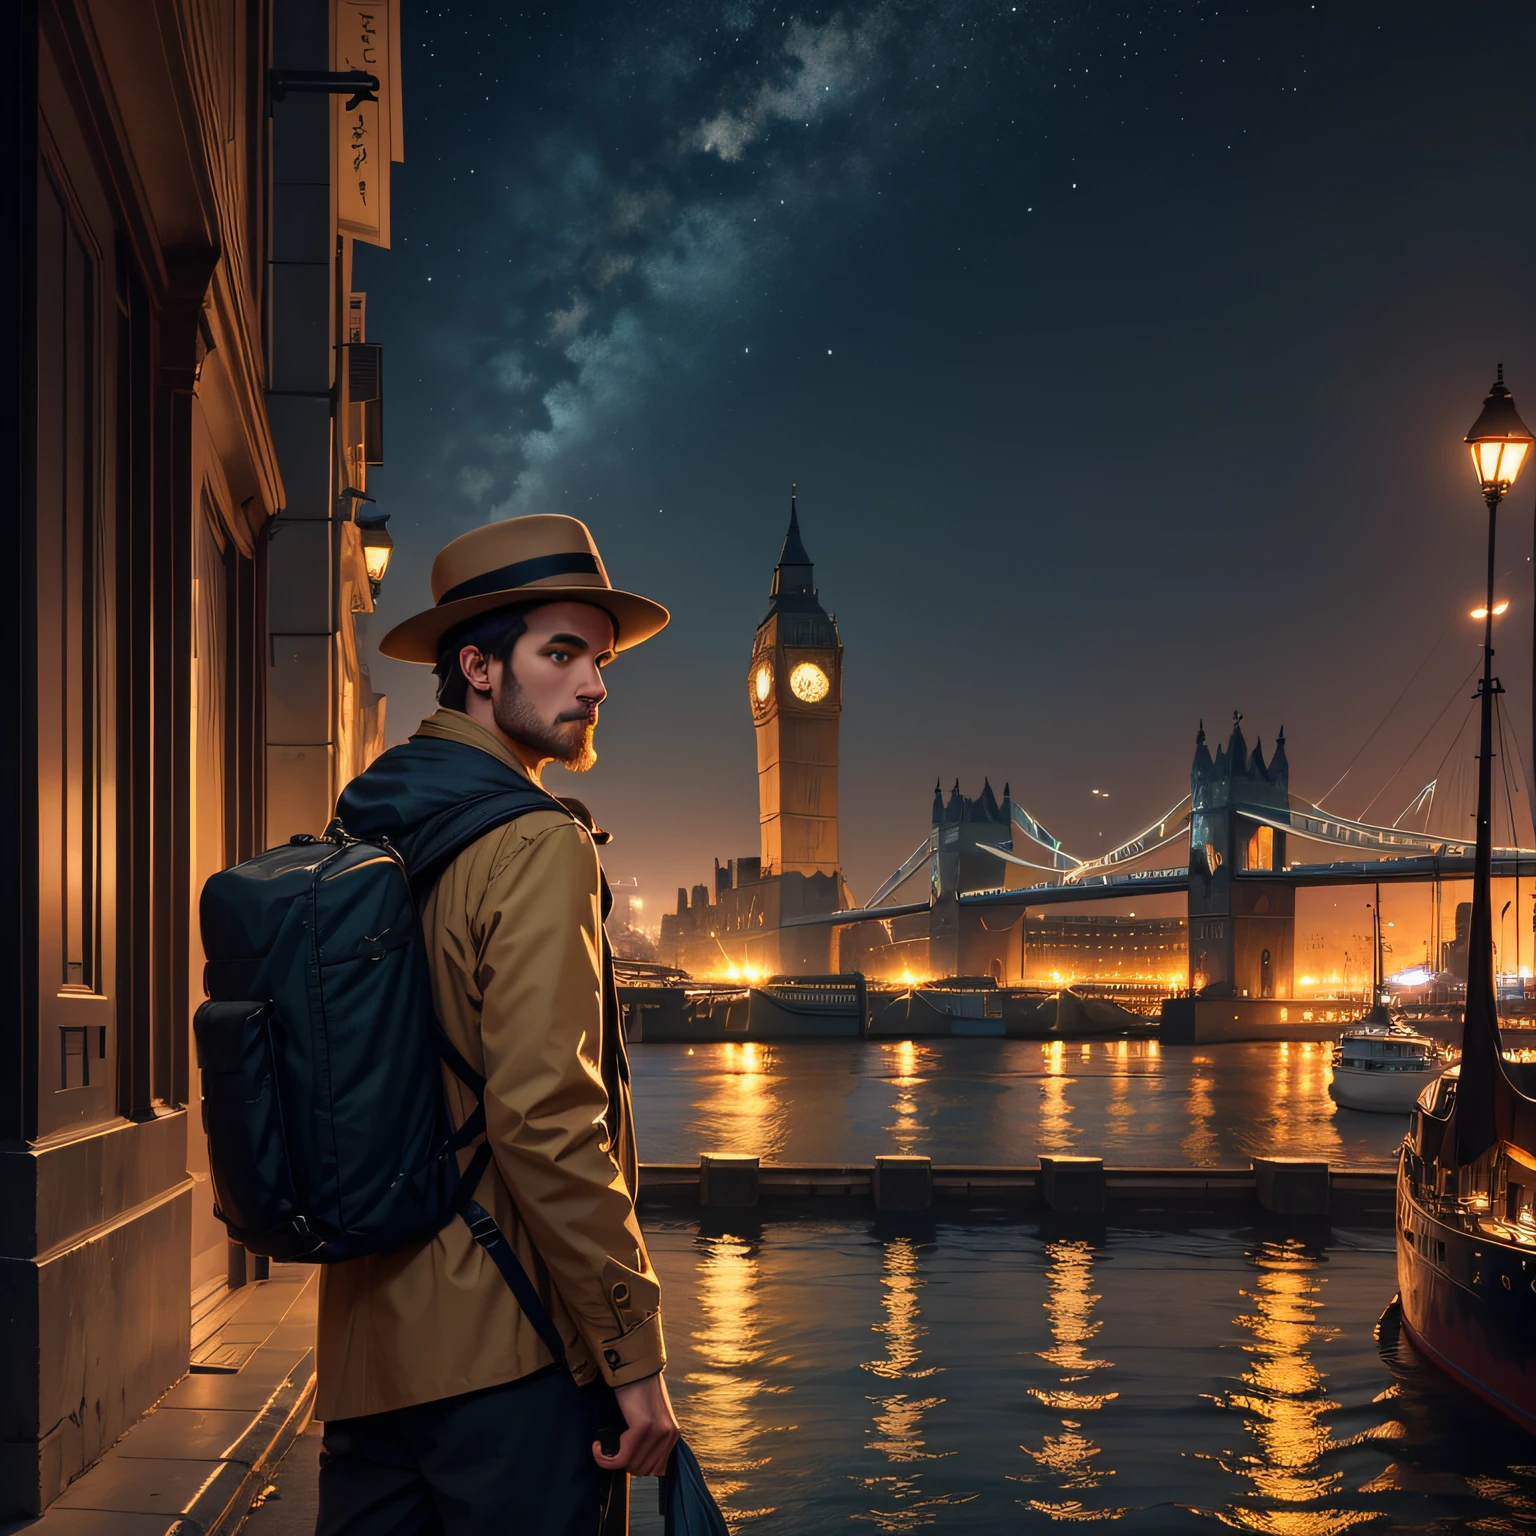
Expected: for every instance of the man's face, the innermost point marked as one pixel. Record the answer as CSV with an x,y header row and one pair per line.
x,y
546,697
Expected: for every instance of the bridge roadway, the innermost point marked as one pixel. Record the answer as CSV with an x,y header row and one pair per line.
x,y
1507,865
1426,867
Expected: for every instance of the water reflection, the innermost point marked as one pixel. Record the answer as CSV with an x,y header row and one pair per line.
x,y
907,1061
1070,1457
831,1101
899,1417
724,1425
1298,1117
1285,1404
741,1110
1119,1109
1200,1143
1055,1111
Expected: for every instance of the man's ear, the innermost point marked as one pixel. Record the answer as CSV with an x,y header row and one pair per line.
x,y
476,668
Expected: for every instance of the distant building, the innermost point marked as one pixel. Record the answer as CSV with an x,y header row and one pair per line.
x,y
1057,950
795,689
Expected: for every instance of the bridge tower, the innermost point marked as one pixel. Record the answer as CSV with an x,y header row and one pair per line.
x,y
1241,930
966,832
796,689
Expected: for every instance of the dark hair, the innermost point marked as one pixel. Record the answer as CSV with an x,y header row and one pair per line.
x,y
493,634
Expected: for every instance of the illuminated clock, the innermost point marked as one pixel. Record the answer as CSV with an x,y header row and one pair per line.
x,y
762,683
809,683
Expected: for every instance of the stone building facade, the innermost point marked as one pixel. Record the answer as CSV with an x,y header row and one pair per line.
x,y
173,331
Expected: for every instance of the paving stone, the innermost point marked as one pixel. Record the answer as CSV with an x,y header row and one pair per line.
x,y
96,1522
198,1434
145,1485
249,1388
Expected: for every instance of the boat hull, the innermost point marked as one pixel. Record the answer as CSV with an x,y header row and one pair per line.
x,y
1469,1307
1383,1093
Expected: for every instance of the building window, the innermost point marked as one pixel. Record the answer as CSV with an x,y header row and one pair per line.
x,y
1261,848
74,676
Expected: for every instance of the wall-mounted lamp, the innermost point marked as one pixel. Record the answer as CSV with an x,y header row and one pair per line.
x,y
378,546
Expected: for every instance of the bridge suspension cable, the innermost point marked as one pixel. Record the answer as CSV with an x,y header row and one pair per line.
x,y
1148,840
924,851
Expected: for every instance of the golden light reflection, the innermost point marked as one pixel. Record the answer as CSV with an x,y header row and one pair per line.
x,y
741,1110
1056,1130
907,1063
1119,1109
724,1424
1200,1143
899,1416
1071,1457
1285,1404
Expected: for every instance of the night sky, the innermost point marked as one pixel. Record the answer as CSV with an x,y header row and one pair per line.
x,y
1122,355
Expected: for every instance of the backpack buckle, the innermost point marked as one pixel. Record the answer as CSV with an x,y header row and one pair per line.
x,y
482,1226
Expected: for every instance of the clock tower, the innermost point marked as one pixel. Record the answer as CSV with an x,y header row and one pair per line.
x,y
795,686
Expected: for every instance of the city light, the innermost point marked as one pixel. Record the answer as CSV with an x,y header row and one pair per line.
x,y
1499,441
1500,607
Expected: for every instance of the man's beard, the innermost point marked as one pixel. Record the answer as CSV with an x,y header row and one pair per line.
x,y
568,740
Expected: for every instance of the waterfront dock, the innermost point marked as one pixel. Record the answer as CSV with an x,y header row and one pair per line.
x,y
1294,1187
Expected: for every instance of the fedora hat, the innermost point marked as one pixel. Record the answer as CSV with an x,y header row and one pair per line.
x,y
542,559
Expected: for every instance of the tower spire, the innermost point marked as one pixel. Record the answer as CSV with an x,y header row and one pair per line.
x,y
793,552
792,576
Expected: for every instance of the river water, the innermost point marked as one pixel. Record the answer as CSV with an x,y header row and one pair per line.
x,y
998,1374
1134,1103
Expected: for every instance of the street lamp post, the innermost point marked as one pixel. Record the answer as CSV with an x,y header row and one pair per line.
x,y
1499,442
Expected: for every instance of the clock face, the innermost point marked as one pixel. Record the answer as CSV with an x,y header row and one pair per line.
x,y
762,683
809,683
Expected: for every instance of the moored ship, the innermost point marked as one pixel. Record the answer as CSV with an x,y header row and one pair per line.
x,y
1466,1248
1383,1068
1466,1239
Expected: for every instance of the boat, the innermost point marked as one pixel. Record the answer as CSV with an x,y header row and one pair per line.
x,y
1466,1248
1383,1068
1466,1235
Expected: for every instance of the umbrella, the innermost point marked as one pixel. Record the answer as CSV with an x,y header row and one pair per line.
x,y
688,1508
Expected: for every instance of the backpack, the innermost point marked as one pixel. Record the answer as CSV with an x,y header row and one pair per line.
x,y
319,1049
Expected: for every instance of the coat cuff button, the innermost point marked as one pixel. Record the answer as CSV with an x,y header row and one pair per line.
x,y
612,1357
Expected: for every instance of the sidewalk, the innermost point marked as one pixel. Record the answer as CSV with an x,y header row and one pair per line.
x,y
194,1463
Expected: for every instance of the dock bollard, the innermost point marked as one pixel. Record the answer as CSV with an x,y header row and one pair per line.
x,y
728,1179
903,1183
1292,1186
1072,1183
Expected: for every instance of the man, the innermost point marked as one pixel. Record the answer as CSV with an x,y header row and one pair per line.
x,y
443,1410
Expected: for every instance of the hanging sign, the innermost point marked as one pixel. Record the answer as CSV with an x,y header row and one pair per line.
x,y
366,36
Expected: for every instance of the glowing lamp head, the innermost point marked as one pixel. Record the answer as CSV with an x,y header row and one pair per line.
x,y
1499,441
378,546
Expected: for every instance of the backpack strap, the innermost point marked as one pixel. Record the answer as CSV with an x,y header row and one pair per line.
x,y
482,1227
442,838
435,847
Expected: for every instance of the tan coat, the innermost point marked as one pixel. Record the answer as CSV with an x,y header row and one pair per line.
x,y
515,941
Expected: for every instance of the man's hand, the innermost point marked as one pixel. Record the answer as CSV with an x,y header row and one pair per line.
x,y
650,1433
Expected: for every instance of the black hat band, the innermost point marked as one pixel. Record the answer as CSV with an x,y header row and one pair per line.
x,y
523,573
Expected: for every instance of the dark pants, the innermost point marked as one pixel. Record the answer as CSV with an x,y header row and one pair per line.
x,y
510,1459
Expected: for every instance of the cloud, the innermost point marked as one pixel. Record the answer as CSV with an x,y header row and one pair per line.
x,y
508,370
565,323
627,237
475,483
822,67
